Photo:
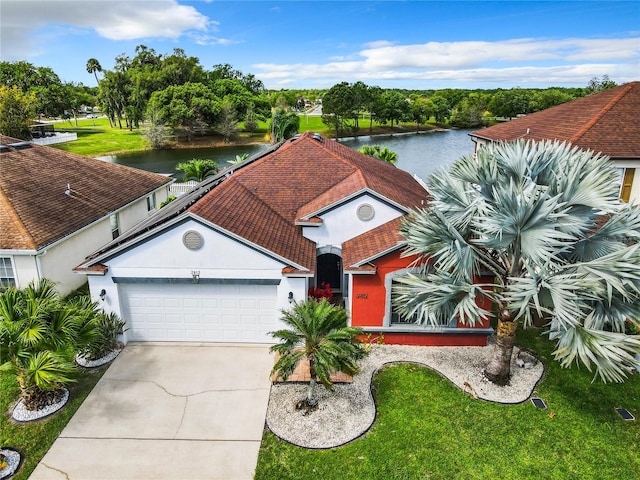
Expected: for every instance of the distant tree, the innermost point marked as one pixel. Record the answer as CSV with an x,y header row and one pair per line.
x,y
442,108
338,105
597,85
421,110
470,111
250,120
318,332
17,112
283,125
510,103
374,105
186,106
550,97
380,152
227,124
93,66
396,107
197,169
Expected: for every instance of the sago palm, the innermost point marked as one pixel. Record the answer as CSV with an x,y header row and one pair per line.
x,y
318,332
544,220
39,336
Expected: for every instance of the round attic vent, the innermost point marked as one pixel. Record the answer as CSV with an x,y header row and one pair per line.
x,y
365,212
192,240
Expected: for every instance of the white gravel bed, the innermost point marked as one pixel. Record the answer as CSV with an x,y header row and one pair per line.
x,y
98,362
349,411
21,414
13,462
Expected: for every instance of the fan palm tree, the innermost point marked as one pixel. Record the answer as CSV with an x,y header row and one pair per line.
x,y
93,66
39,336
197,169
545,221
318,332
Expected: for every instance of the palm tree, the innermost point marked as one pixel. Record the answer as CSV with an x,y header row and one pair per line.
x,y
318,332
39,336
239,159
381,153
94,66
544,220
197,169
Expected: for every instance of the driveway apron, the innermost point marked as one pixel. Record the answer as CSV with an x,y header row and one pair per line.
x,y
168,411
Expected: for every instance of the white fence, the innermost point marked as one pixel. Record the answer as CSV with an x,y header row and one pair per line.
x,y
57,138
178,189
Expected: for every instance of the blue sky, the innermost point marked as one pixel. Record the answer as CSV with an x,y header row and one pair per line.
x,y
314,44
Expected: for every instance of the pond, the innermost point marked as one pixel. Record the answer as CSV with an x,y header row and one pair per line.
x,y
419,154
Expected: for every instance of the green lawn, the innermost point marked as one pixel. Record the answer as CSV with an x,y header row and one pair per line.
x,y
427,428
96,137
33,439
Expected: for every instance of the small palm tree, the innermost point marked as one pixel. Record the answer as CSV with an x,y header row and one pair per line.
x,y
239,159
381,153
39,336
197,169
318,332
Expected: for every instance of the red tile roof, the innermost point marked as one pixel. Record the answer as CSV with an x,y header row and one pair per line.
x,y
262,199
370,244
607,122
34,209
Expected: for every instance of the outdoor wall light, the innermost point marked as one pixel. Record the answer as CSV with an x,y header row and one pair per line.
x,y
103,294
196,276
290,297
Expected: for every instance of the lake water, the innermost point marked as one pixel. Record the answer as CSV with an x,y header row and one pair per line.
x,y
419,154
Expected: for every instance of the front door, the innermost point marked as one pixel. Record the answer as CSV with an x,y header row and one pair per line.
x,y
330,270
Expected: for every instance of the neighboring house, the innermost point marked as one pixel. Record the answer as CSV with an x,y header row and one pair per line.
x,y
220,262
58,207
607,122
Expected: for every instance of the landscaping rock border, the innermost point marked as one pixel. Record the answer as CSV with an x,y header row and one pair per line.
x,y
98,362
349,411
13,462
21,414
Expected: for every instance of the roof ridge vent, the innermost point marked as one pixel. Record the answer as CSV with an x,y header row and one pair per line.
x,y
317,137
4,148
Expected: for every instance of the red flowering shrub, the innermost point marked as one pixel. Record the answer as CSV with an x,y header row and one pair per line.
x,y
318,293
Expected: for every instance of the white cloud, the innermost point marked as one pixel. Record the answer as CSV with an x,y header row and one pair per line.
x,y
516,61
113,20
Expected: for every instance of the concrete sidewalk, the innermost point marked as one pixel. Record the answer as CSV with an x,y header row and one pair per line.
x,y
168,411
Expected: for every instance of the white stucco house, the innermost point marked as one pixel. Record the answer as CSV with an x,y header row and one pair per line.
x,y
219,263
57,207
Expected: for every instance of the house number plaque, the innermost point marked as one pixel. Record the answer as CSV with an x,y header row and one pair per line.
x,y
362,295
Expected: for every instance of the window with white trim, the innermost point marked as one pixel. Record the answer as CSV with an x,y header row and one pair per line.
x,y
7,277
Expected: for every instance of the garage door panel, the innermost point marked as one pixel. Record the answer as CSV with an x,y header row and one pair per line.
x,y
203,313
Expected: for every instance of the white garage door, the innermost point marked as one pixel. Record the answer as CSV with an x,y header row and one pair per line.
x,y
200,313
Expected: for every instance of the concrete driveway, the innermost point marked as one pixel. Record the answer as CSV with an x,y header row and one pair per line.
x,y
168,411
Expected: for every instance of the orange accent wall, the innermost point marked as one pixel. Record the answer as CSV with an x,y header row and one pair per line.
x,y
368,304
368,295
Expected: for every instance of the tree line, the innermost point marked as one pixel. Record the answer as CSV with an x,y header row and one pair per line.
x,y
174,94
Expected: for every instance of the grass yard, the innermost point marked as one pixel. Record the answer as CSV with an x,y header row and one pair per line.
x,y
427,428
34,439
96,137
